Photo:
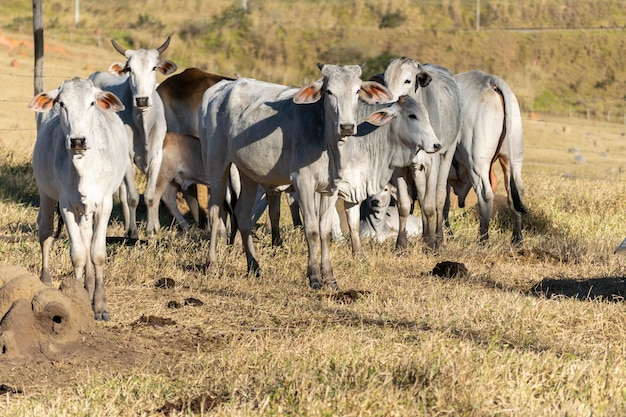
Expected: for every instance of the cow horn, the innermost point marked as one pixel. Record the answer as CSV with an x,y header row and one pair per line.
x,y
163,47
118,48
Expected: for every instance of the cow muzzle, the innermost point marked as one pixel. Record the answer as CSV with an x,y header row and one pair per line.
x,y
347,129
77,144
435,148
141,102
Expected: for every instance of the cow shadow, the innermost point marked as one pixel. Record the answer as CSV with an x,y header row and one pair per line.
x,y
586,289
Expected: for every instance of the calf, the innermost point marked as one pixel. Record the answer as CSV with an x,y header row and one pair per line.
x,y
79,160
181,169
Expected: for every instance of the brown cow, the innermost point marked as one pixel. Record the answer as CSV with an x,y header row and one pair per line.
x,y
182,94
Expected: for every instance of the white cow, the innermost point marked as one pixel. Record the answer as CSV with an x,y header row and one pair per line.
x,y
135,82
279,135
491,130
380,219
79,160
436,89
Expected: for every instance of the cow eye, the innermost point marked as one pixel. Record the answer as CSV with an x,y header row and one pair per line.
x,y
407,81
154,68
412,116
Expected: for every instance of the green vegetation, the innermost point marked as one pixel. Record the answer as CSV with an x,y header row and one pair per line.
x,y
580,64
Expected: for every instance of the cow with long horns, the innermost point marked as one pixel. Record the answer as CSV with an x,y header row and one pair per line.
x,y
135,82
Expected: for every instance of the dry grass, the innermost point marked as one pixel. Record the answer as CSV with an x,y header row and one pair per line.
x,y
537,331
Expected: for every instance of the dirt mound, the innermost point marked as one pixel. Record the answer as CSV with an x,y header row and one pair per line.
x,y
38,320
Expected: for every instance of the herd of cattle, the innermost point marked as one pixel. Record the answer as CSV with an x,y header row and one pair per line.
x,y
417,129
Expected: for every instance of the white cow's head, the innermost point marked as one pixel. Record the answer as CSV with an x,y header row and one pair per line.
x,y
78,103
141,67
342,87
404,76
411,125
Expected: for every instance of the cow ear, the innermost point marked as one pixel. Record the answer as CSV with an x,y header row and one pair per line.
x,y
379,78
167,67
109,101
309,94
422,79
372,92
381,117
43,102
117,69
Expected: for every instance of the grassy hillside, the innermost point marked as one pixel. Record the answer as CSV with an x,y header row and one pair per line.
x,y
568,71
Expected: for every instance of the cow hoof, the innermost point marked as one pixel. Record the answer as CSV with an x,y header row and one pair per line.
x,y
102,316
333,285
254,269
315,284
46,278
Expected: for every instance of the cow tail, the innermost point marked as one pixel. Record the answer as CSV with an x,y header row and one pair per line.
x,y
511,115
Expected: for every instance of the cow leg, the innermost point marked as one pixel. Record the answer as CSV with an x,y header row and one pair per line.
x,y
78,250
307,199
216,208
442,194
327,209
446,211
294,208
426,183
85,225
167,194
353,215
484,192
153,225
273,203
336,233
404,210
45,225
191,197
243,213
260,204
516,215
129,197
98,257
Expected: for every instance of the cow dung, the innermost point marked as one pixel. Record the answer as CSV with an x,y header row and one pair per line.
x,y
450,269
165,283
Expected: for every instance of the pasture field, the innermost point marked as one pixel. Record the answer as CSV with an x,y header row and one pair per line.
x,y
534,330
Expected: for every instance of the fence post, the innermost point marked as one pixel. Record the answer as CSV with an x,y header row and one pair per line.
x,y
38,39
